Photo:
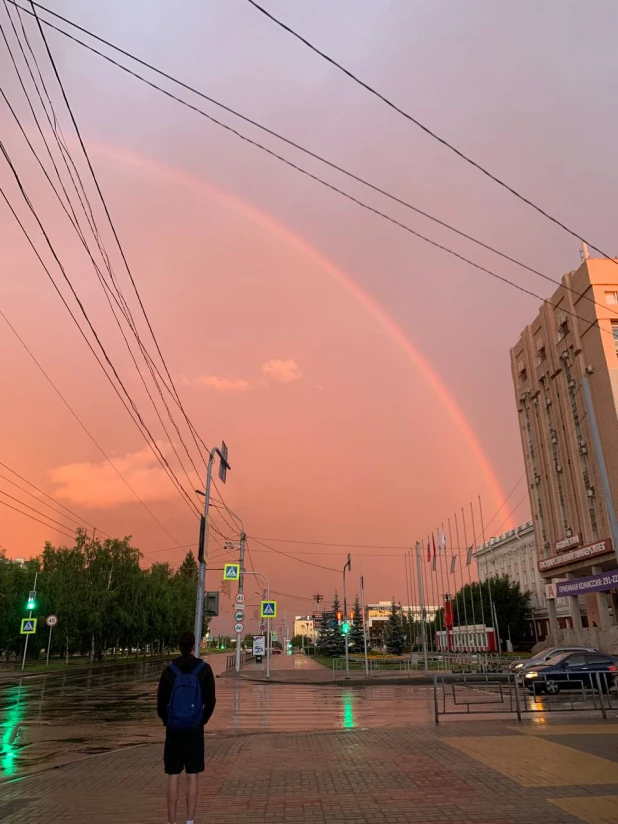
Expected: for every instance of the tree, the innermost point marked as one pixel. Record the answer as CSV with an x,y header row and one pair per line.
x,y
299,641
357,641
330,640
394,636
511,604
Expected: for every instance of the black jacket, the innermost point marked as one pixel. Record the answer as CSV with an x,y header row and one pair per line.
x,y
187,663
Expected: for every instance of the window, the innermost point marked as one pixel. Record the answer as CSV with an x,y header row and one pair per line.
x,y
563,329
598,659
611,297
615,334
576,660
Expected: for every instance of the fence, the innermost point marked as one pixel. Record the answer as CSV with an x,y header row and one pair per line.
x,y
460,663
230,661
495,694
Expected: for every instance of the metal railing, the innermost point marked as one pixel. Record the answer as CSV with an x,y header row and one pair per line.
x,y
230,661
507,693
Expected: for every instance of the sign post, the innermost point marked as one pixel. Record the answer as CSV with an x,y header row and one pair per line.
x,y
28,625
51,622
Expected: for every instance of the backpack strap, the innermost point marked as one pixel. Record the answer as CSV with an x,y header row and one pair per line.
x,y
199,667
175,670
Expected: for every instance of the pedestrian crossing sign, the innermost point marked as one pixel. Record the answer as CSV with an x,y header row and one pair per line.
x,y
231,572
268,609
28,626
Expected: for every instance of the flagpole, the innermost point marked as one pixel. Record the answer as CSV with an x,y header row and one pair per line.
x,y
430,574
405,561
450,543
463,516
494,617
444,582
425,573
419,574
479,575
461,573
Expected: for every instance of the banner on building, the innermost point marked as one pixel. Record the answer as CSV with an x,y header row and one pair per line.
x,y
591,583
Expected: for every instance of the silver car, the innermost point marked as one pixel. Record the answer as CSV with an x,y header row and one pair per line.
x,y
541,657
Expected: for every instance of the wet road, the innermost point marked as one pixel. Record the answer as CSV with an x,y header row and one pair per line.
x,y
54,719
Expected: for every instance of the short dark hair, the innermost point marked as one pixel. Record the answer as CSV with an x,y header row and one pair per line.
x,y
186,642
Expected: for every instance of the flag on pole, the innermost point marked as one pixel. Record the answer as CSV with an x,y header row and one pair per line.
x,y
433,564
443,539
428,551
469,557
453,563
438,541
433,541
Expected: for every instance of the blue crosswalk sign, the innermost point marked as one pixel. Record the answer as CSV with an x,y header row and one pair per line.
x,y
28,626
231,572
268,609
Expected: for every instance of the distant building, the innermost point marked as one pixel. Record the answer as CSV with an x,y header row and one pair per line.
x,y
514,554
376,616
573,339
306,625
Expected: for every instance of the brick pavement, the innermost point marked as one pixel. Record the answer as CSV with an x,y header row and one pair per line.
x,y
357,776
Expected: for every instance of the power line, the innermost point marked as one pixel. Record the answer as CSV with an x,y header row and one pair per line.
x,y
325,543
32,518
140,424
425,128
83,426
293,557
317,179
76,519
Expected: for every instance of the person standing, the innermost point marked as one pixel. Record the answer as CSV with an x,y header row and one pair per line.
x,y
185,702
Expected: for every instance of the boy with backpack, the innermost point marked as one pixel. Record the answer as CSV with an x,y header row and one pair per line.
x,y
185,702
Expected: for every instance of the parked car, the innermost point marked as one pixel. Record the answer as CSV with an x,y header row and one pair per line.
x,y
275,651
543,656
572,671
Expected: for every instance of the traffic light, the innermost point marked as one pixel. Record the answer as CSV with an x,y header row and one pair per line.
x,y
339,616
345,627
31,600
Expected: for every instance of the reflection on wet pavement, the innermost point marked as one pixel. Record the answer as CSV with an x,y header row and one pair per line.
x,y
51,720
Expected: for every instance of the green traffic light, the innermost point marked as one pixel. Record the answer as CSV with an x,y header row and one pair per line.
x,y
31,604
345,628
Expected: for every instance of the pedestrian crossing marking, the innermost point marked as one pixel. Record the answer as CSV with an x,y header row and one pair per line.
x,y
268,609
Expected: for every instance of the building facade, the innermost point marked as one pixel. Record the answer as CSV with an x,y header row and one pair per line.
x,y
565,374
376,616
515,554
305,625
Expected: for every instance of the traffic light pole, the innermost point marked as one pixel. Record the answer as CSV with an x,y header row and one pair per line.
x,y
23,662
202,550
348,566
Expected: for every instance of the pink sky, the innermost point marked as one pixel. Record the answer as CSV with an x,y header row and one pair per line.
x,y
359,377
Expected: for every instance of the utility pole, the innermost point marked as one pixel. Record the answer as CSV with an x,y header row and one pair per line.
x,y
202,551
419,575
362,594
31,606
243,541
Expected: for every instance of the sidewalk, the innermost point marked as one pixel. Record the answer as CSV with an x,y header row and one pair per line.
x,y
482,773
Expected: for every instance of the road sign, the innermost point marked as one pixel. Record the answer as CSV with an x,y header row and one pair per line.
x,y
239,615
28,626
223,464
268,609
231,572
238,628
274,636
51,620
240,598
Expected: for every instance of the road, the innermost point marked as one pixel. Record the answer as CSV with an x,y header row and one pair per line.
x,y
58,718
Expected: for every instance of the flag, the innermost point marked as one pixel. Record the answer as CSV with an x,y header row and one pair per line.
x,y
453,563
438,541
469,557
433,564
433,541
443,539
428,551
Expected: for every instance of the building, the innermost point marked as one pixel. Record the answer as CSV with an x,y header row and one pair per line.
x,y
565,373
306,625
376,616
515,554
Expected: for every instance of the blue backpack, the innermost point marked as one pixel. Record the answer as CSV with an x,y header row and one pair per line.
x,y
184,711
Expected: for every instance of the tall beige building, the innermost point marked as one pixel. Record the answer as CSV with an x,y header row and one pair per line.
x,y
574,339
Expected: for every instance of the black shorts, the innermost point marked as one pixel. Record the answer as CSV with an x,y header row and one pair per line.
x,y
184,751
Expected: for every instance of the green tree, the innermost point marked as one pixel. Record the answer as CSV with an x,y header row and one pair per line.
x,y
299,641
394,636
357,643
330,639
511,604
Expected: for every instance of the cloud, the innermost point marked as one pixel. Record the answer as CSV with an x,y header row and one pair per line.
x,y
98,485
284,371
217,383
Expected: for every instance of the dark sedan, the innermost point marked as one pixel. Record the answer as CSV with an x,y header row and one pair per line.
x,y
572,670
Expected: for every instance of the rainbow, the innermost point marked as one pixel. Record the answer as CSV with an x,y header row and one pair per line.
x,y
393,330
